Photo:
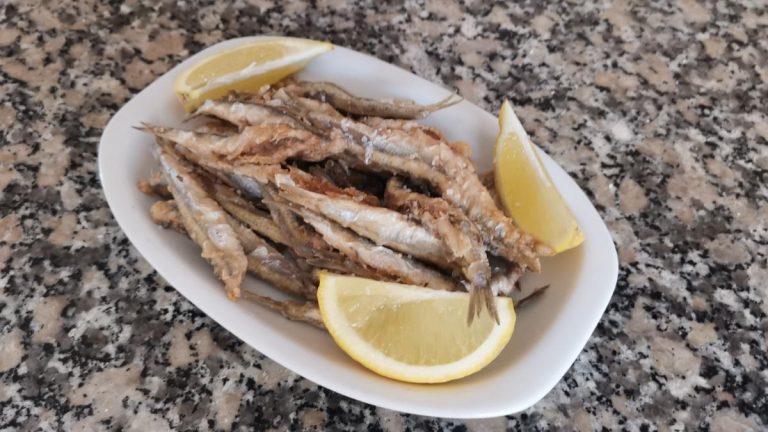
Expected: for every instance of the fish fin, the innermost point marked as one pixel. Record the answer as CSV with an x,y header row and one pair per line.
x,y
306,312
479,299
490,304
471,310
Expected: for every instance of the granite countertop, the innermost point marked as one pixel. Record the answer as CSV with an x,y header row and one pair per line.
x,y
658,110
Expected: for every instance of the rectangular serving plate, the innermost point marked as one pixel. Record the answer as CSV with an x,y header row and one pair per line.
x,y
550,333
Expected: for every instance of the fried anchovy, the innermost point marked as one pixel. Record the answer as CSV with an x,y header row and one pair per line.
x,y
264,261
464,241
269,264
249,179
205,222
381,225
348,103
243,211
257,175
379,257
248,185
257,221
244,114
307,312
309,245
258,144
464,188
166,214
280,270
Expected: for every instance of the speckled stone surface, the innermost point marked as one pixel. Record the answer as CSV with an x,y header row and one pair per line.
x,y
657,109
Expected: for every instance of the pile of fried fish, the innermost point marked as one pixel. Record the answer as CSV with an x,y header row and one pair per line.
x,y
304,176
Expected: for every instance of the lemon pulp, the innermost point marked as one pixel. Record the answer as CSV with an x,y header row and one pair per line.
x,y
411,333
526,190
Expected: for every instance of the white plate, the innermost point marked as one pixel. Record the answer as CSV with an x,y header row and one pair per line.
x,y
551,330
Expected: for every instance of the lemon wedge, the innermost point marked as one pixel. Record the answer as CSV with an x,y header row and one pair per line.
x,y
245,68
526,189
410,333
